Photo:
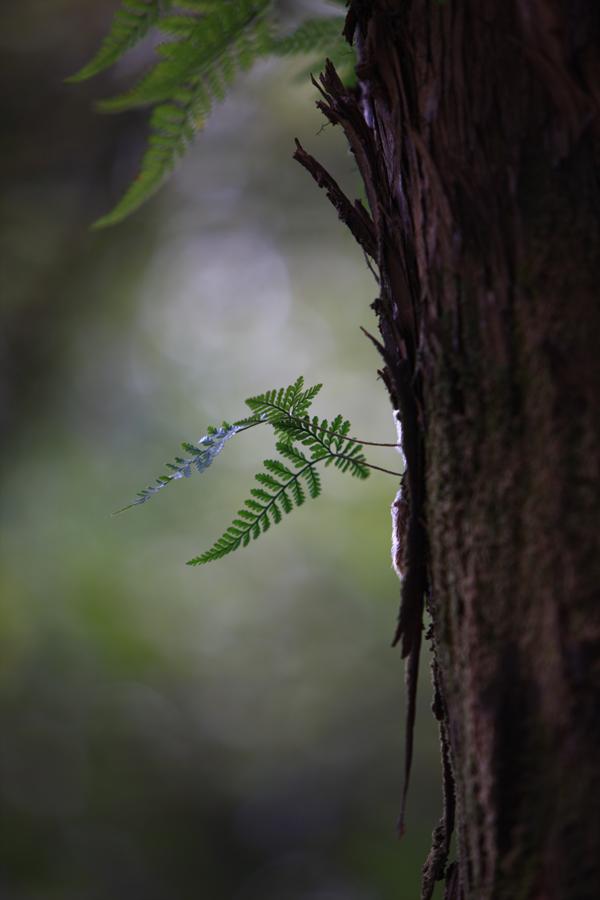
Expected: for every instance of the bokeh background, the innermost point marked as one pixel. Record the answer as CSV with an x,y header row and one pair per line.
x,y
232,732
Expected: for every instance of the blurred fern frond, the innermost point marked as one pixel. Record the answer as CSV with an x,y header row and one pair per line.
x,y
207,42
131,24
195,69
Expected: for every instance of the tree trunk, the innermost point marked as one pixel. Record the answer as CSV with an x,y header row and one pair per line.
x,y
475,127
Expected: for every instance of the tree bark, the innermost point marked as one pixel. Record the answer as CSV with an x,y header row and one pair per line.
x,y
475,127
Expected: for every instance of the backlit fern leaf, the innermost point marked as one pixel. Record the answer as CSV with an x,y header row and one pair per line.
x,y
131,23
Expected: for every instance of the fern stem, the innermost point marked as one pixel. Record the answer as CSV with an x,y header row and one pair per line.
x,y
299,421
356,440
368,464
252,425
344,455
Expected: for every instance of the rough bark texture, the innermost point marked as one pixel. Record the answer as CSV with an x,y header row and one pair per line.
x,y
476,130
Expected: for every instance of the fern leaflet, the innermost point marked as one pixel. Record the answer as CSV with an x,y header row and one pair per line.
x,y
328,443
131,23
202,455
292,401
286,410
280,490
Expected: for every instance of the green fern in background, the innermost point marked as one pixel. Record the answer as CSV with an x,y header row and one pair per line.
x,y
303,443
321,36
206,44
131,24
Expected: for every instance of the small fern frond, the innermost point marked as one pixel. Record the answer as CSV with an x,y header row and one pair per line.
x,y
194,71
282,487
292,401
202,455
131,23
280,490
285,482
286,410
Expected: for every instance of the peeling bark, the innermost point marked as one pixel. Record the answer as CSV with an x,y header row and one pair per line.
x,y
476,129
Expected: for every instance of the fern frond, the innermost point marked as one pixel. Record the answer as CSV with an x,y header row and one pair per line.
x,y
292,401
284,483
194,71
202,455
286,410
280,490
209,41
328,442
282,487
131,23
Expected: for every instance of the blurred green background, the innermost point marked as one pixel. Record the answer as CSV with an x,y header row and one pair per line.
x,y
233,732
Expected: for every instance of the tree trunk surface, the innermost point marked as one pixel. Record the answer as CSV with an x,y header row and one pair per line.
x,y
475,127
